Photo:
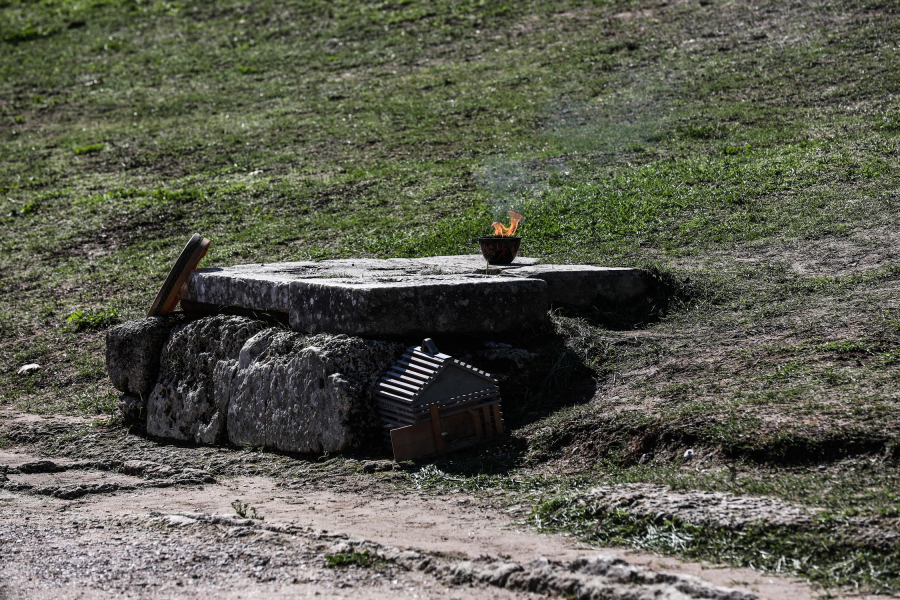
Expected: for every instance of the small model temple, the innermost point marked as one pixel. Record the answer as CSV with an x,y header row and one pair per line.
x,y
433,403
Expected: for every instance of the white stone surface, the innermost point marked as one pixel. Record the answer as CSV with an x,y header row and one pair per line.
x,y
410,296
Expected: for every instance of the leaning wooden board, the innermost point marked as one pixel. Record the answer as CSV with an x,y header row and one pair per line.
x,y
172,289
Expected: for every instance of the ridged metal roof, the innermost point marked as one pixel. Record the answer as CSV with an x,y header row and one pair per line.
x,y
420,377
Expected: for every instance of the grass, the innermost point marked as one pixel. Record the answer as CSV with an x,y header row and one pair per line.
x,y
833,551
88,149
341,560
822,552
745,154
100,320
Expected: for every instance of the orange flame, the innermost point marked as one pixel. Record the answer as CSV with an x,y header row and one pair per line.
x,y
502,230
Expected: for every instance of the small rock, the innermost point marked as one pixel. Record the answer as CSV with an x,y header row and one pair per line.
x,y
28,369
41,466
376,466
133,408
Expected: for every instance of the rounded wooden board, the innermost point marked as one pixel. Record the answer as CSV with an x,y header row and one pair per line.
x,y
170,293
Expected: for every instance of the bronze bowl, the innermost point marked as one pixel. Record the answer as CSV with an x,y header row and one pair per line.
x,y
499,250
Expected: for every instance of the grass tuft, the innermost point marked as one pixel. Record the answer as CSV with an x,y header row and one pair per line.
x,y
364,560
88,149
82,321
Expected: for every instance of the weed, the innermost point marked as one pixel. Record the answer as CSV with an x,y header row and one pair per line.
x,y
27,35
890,124
25,209
245,511
82,321
732,150
88,149
363,560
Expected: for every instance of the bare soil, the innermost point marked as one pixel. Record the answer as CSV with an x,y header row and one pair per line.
x,y
186,541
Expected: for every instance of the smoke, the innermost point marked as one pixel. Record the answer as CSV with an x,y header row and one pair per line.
x,y
581,141
513,184
507,183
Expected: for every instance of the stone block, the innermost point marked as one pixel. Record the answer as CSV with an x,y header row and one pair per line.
x,y
227,376
255,287
268,287
585,286
287,288
182,405
300,393
412,296
132,354
423,305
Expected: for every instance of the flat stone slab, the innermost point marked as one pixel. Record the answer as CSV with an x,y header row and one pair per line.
x,y
393,306
405,296
585,286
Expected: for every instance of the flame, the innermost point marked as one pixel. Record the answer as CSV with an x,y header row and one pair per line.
x,y
502,230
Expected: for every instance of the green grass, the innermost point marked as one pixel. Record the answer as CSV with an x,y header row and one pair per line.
x,y
831,551
100,320
351,559
745,154
88,149
822,552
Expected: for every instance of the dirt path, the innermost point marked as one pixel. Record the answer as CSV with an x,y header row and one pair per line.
x,y
152,542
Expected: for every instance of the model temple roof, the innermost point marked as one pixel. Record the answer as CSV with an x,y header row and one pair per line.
x,y
422,377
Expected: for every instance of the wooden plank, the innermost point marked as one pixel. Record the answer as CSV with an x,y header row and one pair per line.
x,y
412,441
436,430
397,390
430,358
412,369
498,420
463,429
476,419
456,427
174,286
489,431
400,382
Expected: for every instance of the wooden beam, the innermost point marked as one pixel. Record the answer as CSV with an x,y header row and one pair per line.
x,y
436,431
476,419
498,419
412,441
487,421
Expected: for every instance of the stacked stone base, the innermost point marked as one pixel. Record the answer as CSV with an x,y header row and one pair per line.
x,y
228,378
